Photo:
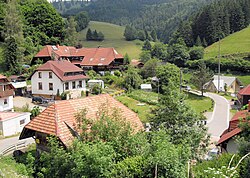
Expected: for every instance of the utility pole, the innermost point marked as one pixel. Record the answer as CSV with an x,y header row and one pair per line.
x,y
219,68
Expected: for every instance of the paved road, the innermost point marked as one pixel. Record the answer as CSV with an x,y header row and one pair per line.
x,y
219,120
5,143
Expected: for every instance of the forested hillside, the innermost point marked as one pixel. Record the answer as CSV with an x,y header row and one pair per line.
x,y
161,15
216,21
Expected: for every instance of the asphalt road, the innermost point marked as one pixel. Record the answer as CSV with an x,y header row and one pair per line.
x,y
219,120
5,143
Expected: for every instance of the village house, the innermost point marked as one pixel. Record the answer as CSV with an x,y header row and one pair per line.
x,y
136,63
233,84
19,84
56,77
12,123
98,59
6,94
227,140
59,118
244,95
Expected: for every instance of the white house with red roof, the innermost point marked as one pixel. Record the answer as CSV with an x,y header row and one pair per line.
x,y
99,59
227,140
12,123
6,94
55,77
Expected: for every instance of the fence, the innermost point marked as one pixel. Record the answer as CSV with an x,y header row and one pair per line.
x,y
13,148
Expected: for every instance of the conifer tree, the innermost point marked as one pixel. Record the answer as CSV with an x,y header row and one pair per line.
x,y
153,35
89,35
147,46
70,37
198,41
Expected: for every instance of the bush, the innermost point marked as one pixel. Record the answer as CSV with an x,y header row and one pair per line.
x,y
96,89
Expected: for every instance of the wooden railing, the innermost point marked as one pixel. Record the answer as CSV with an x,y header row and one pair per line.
x,y
13,148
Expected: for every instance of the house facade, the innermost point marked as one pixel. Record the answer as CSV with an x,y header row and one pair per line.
x,y
56,77
98,59
59,118
12,123
6,94
19,84
244,95
218,84
227,140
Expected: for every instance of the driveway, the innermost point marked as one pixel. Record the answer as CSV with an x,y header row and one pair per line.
x,y
22,101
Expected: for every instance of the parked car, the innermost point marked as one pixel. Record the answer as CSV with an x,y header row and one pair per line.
x,y
39,100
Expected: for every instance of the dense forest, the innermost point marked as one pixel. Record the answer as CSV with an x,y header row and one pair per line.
x,y
216,21
161,15
27,25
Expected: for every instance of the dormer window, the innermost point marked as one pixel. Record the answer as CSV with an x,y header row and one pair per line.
x,y
91,59
102,59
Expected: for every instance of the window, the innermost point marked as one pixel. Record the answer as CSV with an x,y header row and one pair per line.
x,y
80,84
5,101
50,74
39,74
73,85
22,122
66,85
40,86
50,86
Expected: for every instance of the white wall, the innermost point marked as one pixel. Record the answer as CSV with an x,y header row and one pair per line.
x,y
232,146
57,83
12,126
8,106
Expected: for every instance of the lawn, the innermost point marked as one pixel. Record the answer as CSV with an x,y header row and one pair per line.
x,y
236,43
9,168
143,96
113,38
142,111
244,78
198,103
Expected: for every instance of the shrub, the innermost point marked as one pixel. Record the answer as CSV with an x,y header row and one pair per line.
x,y
96,89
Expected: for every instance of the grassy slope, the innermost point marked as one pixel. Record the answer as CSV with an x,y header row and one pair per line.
x,y
199,103
238,42
9,168
113,38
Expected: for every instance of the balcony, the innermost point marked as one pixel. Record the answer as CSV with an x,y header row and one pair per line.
x,y
6,93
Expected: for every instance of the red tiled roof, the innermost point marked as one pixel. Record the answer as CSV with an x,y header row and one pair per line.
x,y
91,56
98,56
245,91
56,118
233,128
227,135
59,68
9,115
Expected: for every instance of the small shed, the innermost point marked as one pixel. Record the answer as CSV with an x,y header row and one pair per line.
x,y
12,123
91,83
146,87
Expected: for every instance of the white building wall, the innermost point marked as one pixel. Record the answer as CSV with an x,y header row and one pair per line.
x,y
57,83
8,106
12,126
232,146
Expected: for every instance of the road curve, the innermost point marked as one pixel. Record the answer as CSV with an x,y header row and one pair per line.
x,y
219,120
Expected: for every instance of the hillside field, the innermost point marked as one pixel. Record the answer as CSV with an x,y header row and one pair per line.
x,y
113,38
235,43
